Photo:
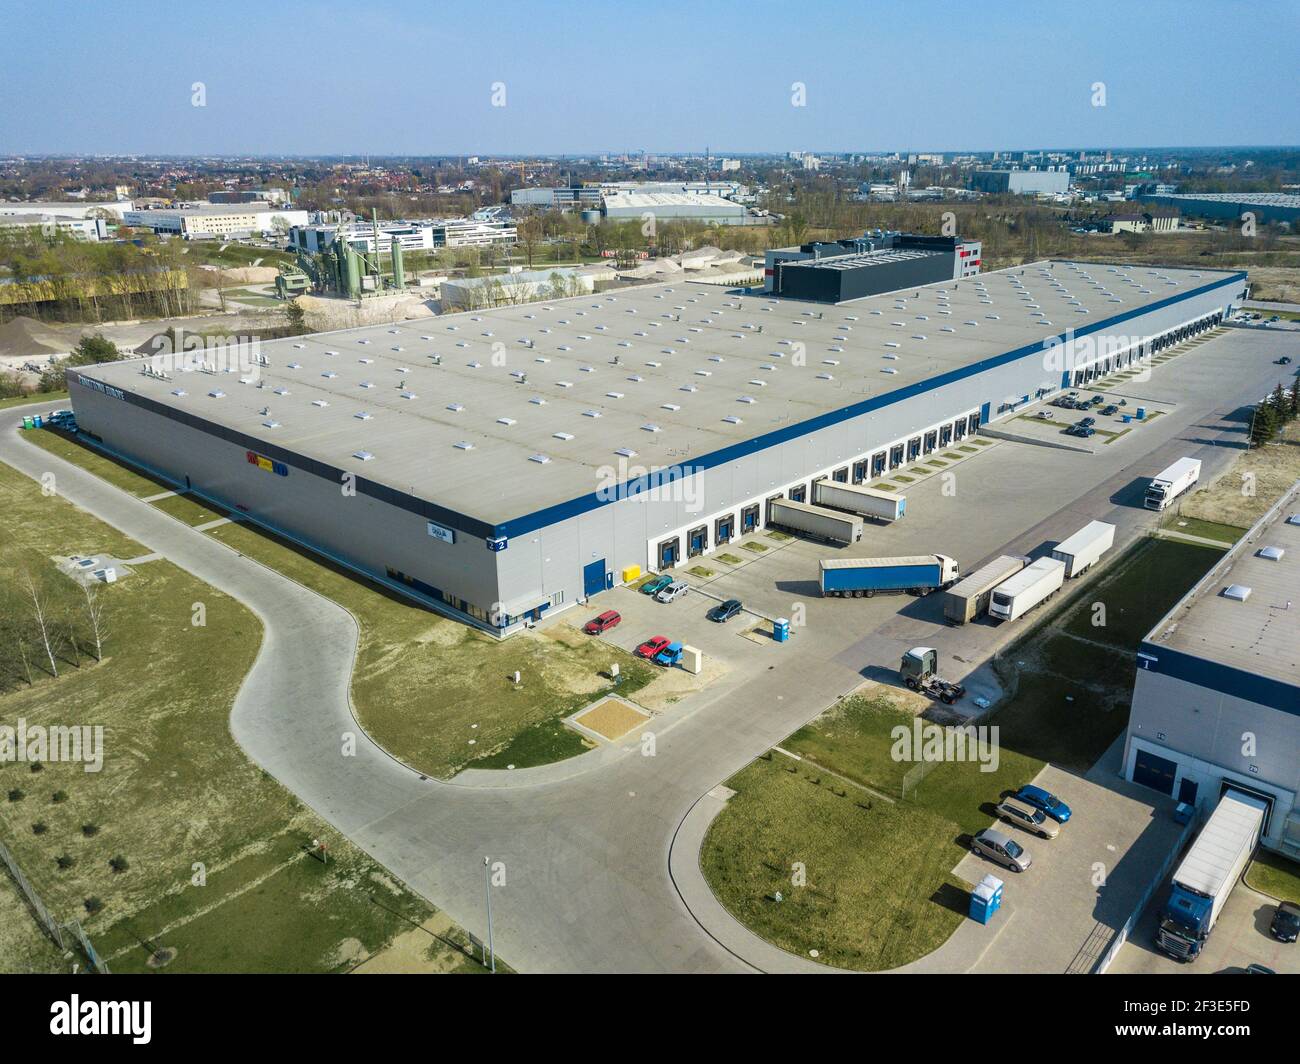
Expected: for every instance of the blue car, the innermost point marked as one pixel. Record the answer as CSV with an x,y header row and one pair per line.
x,y
1046,801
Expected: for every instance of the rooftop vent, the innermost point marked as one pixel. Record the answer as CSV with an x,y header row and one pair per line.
x,y
361,415
1272,554
540,459
216,393
1237,591
562,435
455,408
363,456
319,402
179,392
463,445
625,452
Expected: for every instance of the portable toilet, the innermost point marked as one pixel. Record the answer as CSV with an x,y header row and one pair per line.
x,y
986,899
1142,413
36,421
781,629
27,422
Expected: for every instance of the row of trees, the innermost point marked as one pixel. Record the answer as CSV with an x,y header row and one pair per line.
x,y
1274,413
47,621
58,277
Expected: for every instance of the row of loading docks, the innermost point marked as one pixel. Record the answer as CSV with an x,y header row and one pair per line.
x,y
1149,349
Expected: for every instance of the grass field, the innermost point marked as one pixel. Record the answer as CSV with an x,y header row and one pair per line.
x,y
880,888
176,797
1243,494
1275,876
433,692
53,398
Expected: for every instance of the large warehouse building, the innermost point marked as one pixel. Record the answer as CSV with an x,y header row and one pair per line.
x,y
1021,182
868,265
504,463
1216,703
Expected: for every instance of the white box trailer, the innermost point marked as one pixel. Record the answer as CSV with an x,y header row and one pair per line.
x,y
1021,593
968,599
1082,549
815,521
856,499
1208,872
1166,486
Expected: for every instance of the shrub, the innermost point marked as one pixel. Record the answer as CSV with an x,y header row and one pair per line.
x,y
59,796
119,863
90,830
17,794
40,828
65,861
36,766
93,904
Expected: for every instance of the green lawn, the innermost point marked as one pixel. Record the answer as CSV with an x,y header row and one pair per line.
x,y
1274,875
175,790
53,398
1196,526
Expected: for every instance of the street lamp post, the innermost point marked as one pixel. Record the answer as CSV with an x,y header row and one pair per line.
x,y
491,958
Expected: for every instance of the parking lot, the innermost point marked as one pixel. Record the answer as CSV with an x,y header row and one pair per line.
x,y
1118,417
1083,884
1239,938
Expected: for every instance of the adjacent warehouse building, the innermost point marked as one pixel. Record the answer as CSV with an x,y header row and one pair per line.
x,y
1021,182
1216,703
868,265
506,463
1230,206
672,206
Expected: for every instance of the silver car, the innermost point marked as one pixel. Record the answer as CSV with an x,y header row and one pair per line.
x,y
1024,815
672,592
1000,847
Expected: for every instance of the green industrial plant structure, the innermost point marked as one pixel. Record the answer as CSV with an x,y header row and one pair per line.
x,y
345,268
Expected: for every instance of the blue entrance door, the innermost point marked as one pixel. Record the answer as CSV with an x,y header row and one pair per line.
x,y
593,578
1154,771
1187,791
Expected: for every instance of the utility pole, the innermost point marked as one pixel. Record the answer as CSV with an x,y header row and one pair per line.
x,y
491,958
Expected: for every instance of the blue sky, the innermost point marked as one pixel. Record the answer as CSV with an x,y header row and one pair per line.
x,y
384,76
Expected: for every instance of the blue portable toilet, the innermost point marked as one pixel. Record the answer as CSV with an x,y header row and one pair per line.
x,y
986,899
1142,413
781,629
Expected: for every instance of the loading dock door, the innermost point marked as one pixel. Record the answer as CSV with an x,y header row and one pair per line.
x,y
697,541
1154,771
593,578
983,417
749,518
723,529
669,551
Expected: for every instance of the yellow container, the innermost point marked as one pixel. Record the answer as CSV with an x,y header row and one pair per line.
x,y
630,573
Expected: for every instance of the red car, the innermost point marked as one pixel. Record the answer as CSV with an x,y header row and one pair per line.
x,y
652,646
603,623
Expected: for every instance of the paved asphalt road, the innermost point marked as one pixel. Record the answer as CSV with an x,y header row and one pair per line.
x,y
586,852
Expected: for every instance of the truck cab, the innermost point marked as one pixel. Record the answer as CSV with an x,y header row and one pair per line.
x,y
1184,923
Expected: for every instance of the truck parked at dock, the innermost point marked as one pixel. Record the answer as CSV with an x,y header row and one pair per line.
x,y
863,501
965,601
817,522
1034,584
1080,550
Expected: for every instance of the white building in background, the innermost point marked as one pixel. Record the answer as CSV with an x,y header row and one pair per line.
x,y
113,209
91,229
410,236
217,220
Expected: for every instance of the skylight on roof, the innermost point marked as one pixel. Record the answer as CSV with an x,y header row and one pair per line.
x,y
1237,591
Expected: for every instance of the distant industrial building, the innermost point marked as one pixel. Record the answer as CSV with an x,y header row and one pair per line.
x,y
509,463
521,286
412,236
71,209
90,229
1230,206
1156,221
1216,703
868,265
674,206
217,220
1021,182
274,196
596,197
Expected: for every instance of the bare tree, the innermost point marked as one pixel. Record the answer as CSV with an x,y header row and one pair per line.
x,y
40,611
15,634
96,613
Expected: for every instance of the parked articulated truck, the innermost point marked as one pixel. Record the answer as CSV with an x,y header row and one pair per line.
x,y
815,521
865,577
1021,593
1208,873
865,502
970,598
1165,487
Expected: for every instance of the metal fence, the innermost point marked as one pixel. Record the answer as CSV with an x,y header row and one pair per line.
x,y
60,933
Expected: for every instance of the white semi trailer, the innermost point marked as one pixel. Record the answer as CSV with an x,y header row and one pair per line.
x,y
1021,593
866,502
1166,486
1080,550
815,521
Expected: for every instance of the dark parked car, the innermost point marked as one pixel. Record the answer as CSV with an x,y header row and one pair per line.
x,y
724,611
1108,411
603,623
1087,422
1286,922
1285,360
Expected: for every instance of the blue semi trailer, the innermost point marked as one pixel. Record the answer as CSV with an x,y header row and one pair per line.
x,y
866,577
